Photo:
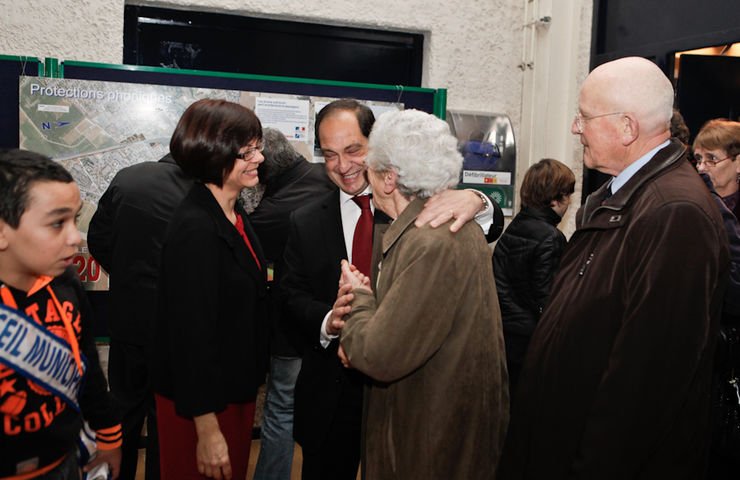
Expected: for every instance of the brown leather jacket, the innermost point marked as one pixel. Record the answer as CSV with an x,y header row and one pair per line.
x,y
616,380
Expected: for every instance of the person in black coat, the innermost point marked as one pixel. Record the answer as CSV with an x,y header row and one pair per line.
x,y
527,255
125,237
717,158
214,303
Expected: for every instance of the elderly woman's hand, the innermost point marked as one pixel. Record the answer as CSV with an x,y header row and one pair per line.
x,y
343,358
350,279
353,277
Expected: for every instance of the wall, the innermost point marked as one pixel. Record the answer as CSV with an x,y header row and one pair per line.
x,y
472,47
555,63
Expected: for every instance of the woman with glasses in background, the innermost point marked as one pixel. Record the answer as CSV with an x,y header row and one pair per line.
x,y
209,348
717,153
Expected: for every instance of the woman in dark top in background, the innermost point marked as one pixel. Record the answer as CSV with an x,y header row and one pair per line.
x,y
209,346
717,157
527,255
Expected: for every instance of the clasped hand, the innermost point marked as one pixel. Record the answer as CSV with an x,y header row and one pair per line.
x,y
350,279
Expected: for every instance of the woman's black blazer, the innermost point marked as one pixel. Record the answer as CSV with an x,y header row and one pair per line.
x,y
210,341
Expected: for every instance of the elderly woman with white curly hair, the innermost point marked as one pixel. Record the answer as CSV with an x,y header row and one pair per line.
x,y
430,336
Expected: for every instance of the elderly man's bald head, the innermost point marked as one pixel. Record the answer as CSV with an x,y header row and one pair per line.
x,y
633,85
625,108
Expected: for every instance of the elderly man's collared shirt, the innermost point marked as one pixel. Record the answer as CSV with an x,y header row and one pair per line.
x,y
350,212
619,181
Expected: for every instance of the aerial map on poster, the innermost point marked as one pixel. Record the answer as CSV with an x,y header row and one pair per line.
x,y
96,128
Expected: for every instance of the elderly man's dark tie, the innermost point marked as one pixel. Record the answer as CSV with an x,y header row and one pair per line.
x,y
362,241
608,194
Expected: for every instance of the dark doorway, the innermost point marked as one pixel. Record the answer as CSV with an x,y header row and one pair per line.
x,y
708,87
164,37
657,31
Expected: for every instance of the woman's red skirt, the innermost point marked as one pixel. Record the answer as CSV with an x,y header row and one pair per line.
x,y
178,440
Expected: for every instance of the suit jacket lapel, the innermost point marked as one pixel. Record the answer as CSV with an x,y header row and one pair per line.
x,y
381,222
233,239
331,225
404,221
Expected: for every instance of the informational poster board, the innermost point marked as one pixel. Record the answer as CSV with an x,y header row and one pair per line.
x,y
96,128
487,144
126,145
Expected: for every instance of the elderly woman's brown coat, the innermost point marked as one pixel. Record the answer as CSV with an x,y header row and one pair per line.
x,y
438,407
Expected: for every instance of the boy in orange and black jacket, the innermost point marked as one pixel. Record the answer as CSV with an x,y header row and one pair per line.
x,y
43,299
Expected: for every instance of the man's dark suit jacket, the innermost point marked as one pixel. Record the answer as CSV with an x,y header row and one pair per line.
x,y
125,237
308,289
298,185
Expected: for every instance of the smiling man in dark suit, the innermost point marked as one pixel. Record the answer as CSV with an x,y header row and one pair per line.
x,y
328,397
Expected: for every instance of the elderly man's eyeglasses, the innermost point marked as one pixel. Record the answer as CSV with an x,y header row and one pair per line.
x,y
710,160
580,119
249,153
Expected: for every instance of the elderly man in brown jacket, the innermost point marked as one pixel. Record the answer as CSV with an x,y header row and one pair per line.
x,y
431,337
615,384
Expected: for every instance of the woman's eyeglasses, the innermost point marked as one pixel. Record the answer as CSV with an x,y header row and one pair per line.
x,y
249,153
710,160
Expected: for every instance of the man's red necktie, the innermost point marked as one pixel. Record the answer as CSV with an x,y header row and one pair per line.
x,y
362,241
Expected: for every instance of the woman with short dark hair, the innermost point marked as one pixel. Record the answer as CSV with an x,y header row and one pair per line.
x,y
527,255
209,347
